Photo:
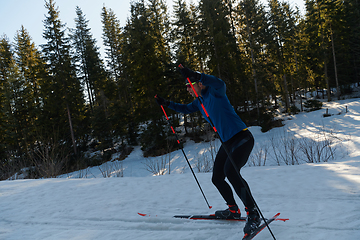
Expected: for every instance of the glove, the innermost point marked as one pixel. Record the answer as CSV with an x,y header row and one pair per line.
x,y
187,73
161,101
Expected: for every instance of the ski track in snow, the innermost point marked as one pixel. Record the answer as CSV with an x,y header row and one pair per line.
x,y
321,200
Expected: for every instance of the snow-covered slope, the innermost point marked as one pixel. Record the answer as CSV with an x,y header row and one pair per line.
x,y
322,200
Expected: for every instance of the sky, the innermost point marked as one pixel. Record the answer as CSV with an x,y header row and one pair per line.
x,y
31,13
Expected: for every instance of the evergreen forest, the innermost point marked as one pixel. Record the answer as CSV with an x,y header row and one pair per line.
x,y
61,101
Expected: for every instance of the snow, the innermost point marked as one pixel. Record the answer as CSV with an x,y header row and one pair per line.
x,y
320,199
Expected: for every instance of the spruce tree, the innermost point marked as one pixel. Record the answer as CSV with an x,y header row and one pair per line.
x,y
121,100
253,39
281,46
113,48
343,36
31,65
147,64
352,25
331,26
91,71
299,68
318,45
63,106
9,91
185,37
184,32
31,72
225,59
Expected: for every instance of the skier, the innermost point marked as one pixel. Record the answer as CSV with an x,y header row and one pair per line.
x,y
235,135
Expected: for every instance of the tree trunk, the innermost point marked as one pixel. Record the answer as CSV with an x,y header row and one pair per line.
x,y
334,57
253,65
71,128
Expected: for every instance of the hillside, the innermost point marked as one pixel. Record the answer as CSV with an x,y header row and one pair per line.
x,y
321,199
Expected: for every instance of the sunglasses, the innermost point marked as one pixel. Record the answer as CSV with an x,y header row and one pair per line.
x,y
188,84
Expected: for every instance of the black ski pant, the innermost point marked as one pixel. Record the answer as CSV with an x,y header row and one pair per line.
x,y
240,147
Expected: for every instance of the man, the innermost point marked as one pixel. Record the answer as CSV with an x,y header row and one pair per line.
x,y
235,135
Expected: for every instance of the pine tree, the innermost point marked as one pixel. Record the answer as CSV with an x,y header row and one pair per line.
x,y
294,41
91,71
9,89
147,62
113,49
121,100
31,70
184,32
318,45
217,30
334,28
186,43
299,68
86,55
225,59
252,37
281,29
62,93
352,25
335,36
4,49
343,50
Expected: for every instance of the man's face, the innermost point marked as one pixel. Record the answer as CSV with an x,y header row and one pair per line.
x,y
191,91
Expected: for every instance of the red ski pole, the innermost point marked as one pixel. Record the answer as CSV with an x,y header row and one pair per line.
x,y
187,160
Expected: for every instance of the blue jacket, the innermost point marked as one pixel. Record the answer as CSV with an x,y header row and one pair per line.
x,y
216,103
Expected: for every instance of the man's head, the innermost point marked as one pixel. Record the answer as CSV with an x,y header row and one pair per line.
x,y
194,78
198,86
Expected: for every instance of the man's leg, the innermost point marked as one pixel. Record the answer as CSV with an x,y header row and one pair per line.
x,y
240,156
218,177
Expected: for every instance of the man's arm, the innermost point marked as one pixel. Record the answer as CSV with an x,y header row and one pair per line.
x,y
184,108
217,86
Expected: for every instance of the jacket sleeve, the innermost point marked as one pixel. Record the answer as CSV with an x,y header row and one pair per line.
x,y
184,108
217,86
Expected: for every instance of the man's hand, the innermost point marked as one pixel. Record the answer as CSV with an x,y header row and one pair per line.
x,y
187,73
161,101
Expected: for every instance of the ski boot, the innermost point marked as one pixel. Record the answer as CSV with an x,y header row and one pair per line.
x,y
233,212
252,221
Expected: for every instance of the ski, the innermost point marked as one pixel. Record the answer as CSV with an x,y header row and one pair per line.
x,y
213,217
209,217
199,217
262,226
